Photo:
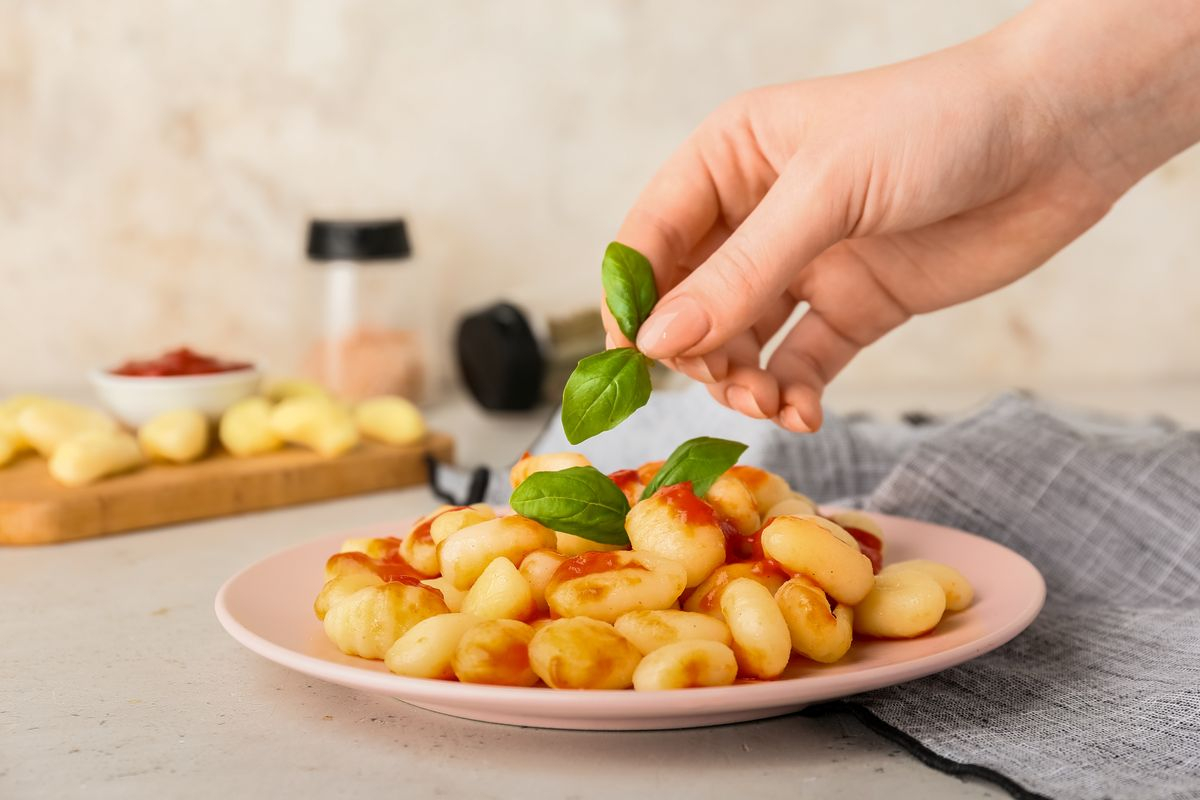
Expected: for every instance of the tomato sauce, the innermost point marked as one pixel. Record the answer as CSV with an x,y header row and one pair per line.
x,y
591,563
870,546
174,363
751,477
423,530
625,478
391,568
692,509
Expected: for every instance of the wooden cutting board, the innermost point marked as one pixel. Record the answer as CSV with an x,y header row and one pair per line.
x,y
36,510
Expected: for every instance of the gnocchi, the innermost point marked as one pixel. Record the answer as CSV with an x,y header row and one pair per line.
x,y
369,621
455,519
426,650
339,587
245,428
547,462
501,592
90,456
538,568
676,525
465,554
583,653
817,631
761,640
175,436
686,664
959,593
733,585
390,419
902,604
650,630
809,546
706,599
495,651
48,424
318,423
604,586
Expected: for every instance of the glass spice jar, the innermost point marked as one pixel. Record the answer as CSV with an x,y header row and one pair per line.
x,y
371,343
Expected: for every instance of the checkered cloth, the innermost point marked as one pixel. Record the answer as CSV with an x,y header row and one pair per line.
x,y
1100,697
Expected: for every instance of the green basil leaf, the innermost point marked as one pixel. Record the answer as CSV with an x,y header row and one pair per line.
x,y
603,390
579,500
629,287
701,461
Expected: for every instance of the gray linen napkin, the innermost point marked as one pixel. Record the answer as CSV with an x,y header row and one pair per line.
x,y
1100,697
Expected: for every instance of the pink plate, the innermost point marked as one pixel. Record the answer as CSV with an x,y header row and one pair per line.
x,y
268,608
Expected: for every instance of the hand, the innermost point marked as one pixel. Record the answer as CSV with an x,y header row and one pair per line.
x,y
879,195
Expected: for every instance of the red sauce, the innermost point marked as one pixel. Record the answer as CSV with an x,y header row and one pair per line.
x,y
870,546
629,483
624,478
590,564
398,570
739,547
744,548
182,361
391,569
693,510
389,550
751,477
768,568
423,530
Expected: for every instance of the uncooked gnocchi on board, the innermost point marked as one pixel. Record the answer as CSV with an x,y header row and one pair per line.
x,y
735,585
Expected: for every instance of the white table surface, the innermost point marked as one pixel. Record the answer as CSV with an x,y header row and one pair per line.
x,y
117,681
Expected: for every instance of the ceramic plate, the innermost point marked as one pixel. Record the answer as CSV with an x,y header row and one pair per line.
x,y
268,608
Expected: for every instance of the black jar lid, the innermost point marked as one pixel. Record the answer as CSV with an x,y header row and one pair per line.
x,y
358,240
500,360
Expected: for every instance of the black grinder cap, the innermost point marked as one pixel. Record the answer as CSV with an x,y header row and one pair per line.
x,y
500,360
358,240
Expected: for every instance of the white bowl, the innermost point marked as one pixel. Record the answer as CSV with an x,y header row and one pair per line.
x,y
136,400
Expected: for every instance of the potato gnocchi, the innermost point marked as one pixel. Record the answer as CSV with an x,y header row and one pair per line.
x,y
734,585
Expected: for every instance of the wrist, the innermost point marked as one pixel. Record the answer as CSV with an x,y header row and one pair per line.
x,y
1117,83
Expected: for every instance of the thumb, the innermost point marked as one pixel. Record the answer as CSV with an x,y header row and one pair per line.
x,y
797,219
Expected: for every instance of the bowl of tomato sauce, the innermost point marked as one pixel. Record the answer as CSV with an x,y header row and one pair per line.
x,y
137,390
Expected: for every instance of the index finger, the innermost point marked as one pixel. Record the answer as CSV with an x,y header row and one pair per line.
x,y
669,219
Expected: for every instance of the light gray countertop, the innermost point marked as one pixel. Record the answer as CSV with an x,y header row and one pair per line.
x,y
117,681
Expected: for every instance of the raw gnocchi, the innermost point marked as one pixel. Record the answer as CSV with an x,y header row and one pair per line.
x,y
735,584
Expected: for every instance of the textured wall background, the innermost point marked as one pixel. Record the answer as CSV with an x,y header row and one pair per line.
x,y
158,161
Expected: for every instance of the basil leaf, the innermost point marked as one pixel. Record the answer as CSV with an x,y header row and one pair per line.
x,y
579,500
603,390
701,461
629,287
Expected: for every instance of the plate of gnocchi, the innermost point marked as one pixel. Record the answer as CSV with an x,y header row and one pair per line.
x,y
721,599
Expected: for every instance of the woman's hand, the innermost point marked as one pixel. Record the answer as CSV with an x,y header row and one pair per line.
x,y
879,195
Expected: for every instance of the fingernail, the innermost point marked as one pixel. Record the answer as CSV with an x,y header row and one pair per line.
x,y
673,329
792,420
743,400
